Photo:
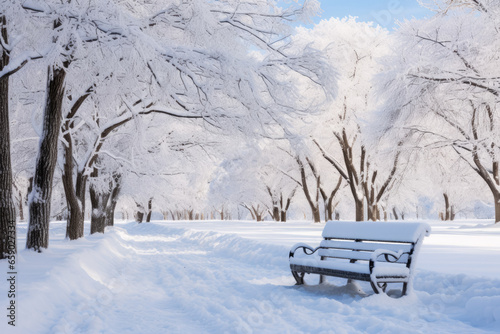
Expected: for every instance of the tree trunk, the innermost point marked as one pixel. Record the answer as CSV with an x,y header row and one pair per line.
x,y
313,202
285,206
276,204
20,206
369,213
111,205
7,206
316,213
150,210
395,213
39,201
258,217
252,214
110,213
360,210
98,215
373,212
283,216
257,212
75,194
329,210
446,207
75,197
496,198
99,202
276,213
139,214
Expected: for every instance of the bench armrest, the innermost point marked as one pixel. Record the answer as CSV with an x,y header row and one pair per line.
x,y
390,256
305,247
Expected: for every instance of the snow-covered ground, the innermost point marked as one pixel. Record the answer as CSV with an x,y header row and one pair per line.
x,y
233,277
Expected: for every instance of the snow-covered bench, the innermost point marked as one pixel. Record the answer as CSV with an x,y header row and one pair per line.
x,y
377,252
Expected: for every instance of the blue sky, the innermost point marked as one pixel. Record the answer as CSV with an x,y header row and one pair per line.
x,y
383,12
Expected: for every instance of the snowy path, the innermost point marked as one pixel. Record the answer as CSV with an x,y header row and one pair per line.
x,y
154,278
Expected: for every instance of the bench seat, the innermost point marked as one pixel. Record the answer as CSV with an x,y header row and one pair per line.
x,y
382,270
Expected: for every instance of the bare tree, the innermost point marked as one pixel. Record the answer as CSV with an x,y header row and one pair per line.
x,y
280,204
329,199
256,210
312,197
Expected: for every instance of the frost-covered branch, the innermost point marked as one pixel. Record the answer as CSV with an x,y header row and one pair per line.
x,y
332,160
18,63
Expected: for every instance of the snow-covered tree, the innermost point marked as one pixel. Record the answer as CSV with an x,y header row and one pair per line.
x,y
353,48
192,60
442,85
14,55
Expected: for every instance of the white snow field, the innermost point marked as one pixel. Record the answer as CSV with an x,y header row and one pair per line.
x,y
233,277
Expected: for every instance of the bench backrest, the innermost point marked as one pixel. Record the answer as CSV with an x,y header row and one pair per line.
x,y
358,240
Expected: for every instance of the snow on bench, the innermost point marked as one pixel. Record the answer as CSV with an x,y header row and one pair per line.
x,y
377,252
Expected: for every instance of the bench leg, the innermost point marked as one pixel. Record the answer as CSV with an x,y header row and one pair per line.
x,y
299,277
321,277
405,289
378,287
383,286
